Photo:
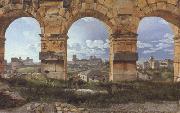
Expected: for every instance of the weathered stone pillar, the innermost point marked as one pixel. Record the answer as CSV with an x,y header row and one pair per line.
x,y
2,42
123,57
53,56
177,58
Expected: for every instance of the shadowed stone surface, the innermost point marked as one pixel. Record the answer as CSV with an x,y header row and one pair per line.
x,y
57,107
9,98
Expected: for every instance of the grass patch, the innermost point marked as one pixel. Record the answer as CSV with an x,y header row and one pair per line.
x,y
47,90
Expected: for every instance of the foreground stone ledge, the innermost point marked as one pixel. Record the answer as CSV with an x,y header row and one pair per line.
x,y
58,107
147,107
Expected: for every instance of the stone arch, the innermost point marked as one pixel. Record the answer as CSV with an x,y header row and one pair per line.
x,y
12,12
9,12
13,15
166,9
122,15
115,30
59,16
170,11
74,10
104,19
95,14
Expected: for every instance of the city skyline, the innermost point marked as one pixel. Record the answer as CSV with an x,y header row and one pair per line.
x,y
21,59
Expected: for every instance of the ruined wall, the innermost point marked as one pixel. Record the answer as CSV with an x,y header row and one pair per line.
x,y
170,11
9,11
56,16
61,15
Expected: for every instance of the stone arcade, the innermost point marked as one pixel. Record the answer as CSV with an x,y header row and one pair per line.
x,y
121,17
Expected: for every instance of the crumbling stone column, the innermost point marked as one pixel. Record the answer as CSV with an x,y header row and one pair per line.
x,y
2,42
123,57
177,58
53,56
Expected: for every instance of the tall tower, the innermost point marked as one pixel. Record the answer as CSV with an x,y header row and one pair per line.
x,y
151,62
74,58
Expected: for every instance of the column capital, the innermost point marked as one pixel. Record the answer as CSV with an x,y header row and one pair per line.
x,y
41,35
125,56
2,42
59,37
126,35
176,60
2,38
51,56
177,38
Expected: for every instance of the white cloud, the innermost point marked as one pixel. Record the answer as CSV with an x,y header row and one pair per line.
x,y
22,39
88,19
168,38
74,46
88,48
106,45
143,45
162,21
96,44
155,37
155,41
159,47
149,51
170,51
162,45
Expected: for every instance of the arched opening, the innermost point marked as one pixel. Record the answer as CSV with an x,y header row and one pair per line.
x,y
155,49
88,50
22,47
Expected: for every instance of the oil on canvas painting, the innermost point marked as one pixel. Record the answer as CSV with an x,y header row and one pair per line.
x,y
89,56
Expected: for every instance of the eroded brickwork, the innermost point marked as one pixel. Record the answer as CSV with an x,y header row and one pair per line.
x,y
123,56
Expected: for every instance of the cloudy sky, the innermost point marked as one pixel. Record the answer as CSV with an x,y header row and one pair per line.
x,y
155,39
89,36
22,39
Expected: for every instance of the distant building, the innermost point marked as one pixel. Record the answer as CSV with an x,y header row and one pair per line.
x,y
74,58
95,61
146,65
91,76
167,63
154,64
158,64
18,63
91,61
28,61
5,66
70,62
139,66
82,62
